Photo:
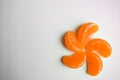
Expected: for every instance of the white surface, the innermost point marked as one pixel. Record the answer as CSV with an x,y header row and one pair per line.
x,y
31,31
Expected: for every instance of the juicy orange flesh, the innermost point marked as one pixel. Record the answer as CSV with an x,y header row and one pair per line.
x,y
75,60
86,31
99,45
83,42
94,63
71,42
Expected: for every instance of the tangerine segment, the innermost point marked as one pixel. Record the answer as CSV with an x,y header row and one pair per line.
x,y
71,42
85,32
94,63
75,60
99,45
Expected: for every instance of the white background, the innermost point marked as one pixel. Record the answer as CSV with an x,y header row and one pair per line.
x,y
31,32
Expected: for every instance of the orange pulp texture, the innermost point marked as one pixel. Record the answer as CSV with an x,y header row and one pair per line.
x,y
83,41
99,45
75,60
85,32
94,63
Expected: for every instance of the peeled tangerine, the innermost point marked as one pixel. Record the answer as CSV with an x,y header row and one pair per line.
x,y
71,42
94,63
83,41
99,45
86,31
75,60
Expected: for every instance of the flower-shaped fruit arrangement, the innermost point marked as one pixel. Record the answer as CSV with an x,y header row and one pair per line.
x,y
86,49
